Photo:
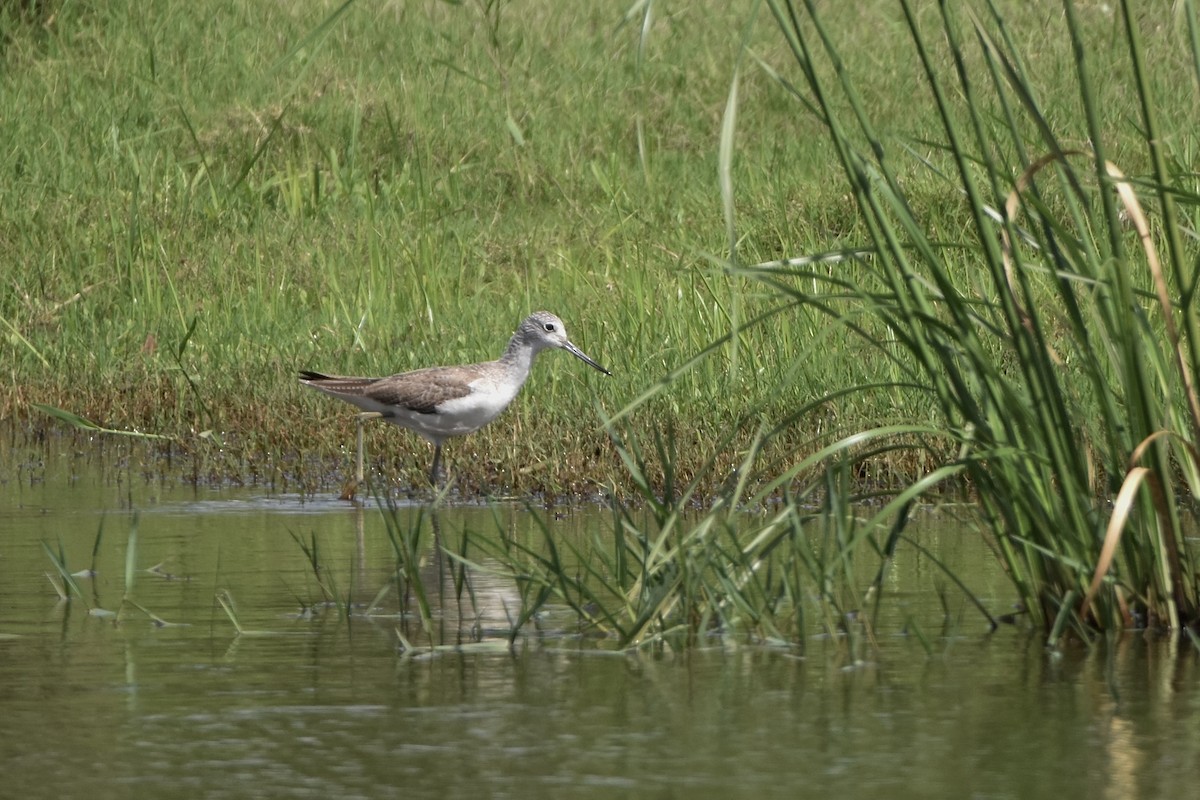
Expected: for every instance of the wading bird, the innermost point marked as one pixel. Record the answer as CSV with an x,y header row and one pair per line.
x,y
440,402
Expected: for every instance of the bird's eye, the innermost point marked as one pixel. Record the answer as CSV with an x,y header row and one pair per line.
x,y
549,327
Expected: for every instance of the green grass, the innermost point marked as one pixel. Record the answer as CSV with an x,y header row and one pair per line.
x,y
199,200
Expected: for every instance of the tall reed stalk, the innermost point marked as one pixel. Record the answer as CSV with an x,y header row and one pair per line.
x,y
1056,334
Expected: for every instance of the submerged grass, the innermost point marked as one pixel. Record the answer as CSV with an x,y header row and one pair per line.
x,y
664,574
67,587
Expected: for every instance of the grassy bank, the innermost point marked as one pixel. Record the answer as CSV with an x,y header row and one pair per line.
x,y
201,199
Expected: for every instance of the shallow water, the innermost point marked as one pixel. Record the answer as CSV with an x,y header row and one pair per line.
x,y
315,706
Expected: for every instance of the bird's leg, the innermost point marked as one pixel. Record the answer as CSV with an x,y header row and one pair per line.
x,y
350,489
437,463
358,464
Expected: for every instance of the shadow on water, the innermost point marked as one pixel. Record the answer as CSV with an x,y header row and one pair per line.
x,y
313,701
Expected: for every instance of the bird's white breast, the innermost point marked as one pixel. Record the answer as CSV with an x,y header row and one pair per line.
x,y
462,415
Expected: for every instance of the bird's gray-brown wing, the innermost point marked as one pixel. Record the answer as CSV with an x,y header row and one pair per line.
x,y
422,390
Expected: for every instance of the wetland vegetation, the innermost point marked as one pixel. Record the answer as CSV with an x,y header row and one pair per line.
x,y
876,251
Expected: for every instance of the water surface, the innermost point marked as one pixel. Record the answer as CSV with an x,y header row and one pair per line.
x,y
313,705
